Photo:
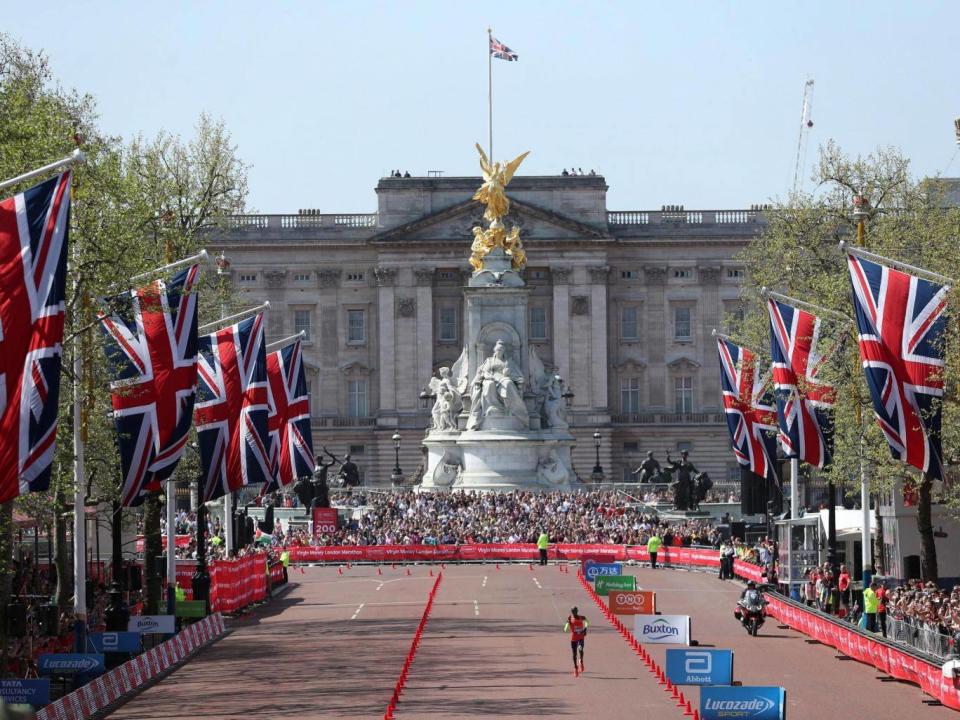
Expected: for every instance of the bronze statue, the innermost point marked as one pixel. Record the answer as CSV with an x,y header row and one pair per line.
x,y
649,470
321,490
349,472
683,487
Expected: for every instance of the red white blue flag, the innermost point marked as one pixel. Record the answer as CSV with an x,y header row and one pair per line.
x,y
34,227
748,403
151,346
291,442
501,51
231,410
901,322
804,401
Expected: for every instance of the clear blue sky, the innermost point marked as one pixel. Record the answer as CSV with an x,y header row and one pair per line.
x,y
693,103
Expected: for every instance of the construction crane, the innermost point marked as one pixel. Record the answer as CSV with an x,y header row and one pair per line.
x,y
805,124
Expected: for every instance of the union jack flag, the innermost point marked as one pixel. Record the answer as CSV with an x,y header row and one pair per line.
x,y
151,346
804,401
501,51
33,270
291,442
901,322
231,410
748,404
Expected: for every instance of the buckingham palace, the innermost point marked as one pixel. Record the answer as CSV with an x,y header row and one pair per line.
x,y
621,305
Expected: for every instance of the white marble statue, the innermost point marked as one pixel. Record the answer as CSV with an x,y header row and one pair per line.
x,y
548,387
551,470
446,471
497,389
448,403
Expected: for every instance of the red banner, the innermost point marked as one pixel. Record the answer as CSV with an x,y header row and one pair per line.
x,y
180,541
324,521
234,584
885,658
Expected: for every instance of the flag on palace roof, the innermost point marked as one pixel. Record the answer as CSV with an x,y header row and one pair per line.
x,y
748,404
291,442
151,347
901,320
501,51
804,401
231,410
34,228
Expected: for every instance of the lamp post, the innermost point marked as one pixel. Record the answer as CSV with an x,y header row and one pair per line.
x,y
597,475
861,213
201,578
116,615
397,476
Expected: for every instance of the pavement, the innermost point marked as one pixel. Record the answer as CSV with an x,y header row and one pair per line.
x,y
494,646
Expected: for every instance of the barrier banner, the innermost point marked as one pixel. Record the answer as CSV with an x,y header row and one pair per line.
x,y
324,521
180,541
890,660
636,602
747,571
234,584
700,667
662,629
756,703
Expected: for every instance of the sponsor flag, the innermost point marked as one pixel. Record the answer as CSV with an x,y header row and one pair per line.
x,y
748,403
34,229
291,443
901,323
501,51
151,347
804,401
231,410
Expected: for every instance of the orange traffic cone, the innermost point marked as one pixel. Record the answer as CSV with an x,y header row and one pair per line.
x,y
408,571
431,572
379,571
339,571
498,566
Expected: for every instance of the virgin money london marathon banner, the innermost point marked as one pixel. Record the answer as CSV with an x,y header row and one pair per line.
x,y
662,629
700,666
637,602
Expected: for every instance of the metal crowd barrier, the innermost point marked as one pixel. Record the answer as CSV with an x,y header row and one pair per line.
x,y
926,640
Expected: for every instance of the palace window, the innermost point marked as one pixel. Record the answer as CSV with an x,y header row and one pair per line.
x,y
628,322
681,323
248,277
301,322
355,276
630,395
301,277
447,321
683,274
357,398
734,273
538,322
356,326
683,394
628,274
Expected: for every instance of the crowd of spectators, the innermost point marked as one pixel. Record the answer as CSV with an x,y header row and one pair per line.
x,y
924,605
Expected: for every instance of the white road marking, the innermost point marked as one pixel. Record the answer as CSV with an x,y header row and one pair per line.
x,y
354,616
537,583
476,608
484,583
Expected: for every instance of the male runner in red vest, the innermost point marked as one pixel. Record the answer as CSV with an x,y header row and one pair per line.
x,y
577,625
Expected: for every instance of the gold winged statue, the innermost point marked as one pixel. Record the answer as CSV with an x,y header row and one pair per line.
x,y
496,177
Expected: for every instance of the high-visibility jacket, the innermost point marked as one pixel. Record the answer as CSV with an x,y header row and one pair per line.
x,y
577,626
543,542
654,543
870,601
285,558
179,593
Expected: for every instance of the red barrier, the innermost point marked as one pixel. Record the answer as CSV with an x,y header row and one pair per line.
x,y
890,660
234,584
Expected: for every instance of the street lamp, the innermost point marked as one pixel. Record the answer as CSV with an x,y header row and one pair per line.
x,y
397,476
567,393
597,468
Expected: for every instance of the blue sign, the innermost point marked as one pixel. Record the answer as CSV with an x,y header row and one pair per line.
x,y
700,666
25,692
592,570
71,663
743,703
115,642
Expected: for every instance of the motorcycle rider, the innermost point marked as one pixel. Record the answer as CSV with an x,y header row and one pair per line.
x,y
750,597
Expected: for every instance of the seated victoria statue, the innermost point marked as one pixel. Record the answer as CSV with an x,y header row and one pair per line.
x,y
497,389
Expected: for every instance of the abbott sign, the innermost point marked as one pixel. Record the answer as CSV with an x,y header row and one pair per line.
x,y
687,666
637,602
742,703
663,629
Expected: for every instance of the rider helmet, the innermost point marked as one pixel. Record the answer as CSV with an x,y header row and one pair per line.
x,y
751,584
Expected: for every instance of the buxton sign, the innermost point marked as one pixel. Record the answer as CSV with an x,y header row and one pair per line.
x,y
663,629
636,602
165,624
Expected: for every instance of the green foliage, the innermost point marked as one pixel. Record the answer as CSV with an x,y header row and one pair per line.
x,y
799,255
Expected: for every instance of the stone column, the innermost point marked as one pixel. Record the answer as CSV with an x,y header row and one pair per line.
x,y
656,336
598,335
423,278
711,313
386,277
561,321
327,343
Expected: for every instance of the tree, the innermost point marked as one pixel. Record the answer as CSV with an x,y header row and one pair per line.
x,y
798,254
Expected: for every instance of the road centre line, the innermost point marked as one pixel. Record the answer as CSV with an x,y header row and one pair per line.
x,y
354,616
476,608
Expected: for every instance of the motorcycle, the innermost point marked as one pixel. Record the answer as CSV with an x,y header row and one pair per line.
x,y
750,613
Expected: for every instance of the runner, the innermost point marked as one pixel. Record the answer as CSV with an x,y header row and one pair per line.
x,y
577,624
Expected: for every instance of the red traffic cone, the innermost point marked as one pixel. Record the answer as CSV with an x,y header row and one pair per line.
x,y
348,566
688,711
302,571
696,714
393,566
530,566
408,571
681,700
431,572
379,571
339,571
498,566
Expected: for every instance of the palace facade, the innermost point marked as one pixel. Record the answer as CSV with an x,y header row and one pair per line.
x,y
622,304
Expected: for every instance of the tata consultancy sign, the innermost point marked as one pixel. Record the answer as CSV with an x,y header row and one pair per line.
x,y
688,666
637,602
663,629
742,703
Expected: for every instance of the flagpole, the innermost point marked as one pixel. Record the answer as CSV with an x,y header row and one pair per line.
x,y
860,212
73,158
199,257
803,304
223,273
490,89
265,305
286,341
912,269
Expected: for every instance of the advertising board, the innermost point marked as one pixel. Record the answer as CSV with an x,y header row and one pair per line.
x,y
700,666
662,629
605,583
165,624
70,663
636,602
25,692
592,569
742,703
